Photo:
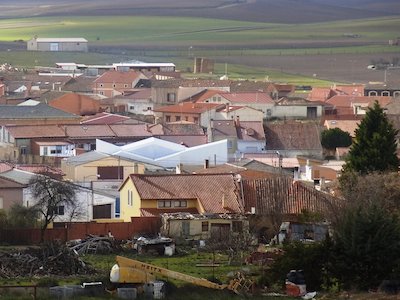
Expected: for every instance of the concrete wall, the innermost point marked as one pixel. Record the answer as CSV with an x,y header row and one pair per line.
x,y
34,45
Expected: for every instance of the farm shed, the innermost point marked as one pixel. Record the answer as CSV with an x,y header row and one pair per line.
x,y
58,44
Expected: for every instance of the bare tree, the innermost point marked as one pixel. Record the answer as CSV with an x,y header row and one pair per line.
x,y
52,197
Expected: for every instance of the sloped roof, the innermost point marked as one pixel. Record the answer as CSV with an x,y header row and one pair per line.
x,y
187,107
348,101
202,96
104,118
223,128
84,131
39,111
217,193
248,97
346,125
36,131
238,86
85,158
113,76
81,84
251,131
76,104
293,136
129,130
61,40
176,83
186,140
182,128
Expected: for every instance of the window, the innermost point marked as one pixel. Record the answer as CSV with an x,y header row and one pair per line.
x,y
230,144
131,107
269,112
164,204
167,118
101,93
237,226
114,85
171,97
1,203
125,85
101,85
177,118
186,118
196,120
130,198
182,203
214,99
23,150
45,151
59,210
204,226
149,108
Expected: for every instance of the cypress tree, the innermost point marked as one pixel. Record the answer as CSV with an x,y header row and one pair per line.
x,y
374,147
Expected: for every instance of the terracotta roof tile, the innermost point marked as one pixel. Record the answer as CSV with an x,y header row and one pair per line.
x,y
217,193
76,104
293,136
346,125
253,97
105,118
38,131
187,140
118,77
186,107
140,130
251,131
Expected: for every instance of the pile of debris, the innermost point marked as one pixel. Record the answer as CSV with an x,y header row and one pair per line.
x,y
94,244
51,259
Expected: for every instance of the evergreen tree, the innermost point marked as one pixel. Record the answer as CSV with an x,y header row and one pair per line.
x,y
374,147
335,137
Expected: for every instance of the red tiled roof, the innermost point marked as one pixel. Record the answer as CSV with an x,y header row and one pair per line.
x,y
187,140
77,131
223,128
155,212
113,76
348,101
352,90
320,94
293,136
217,193
122,130
251,131
202,96
25,131
104,118
76,104
187,107
5,166
253,97
346,125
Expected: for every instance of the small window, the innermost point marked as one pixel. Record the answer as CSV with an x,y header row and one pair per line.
x,y
23,150
125,85
177,118
59,210
196,120
101,85
101,93
171,97
149,108
114,85
164,204
237,226
186,118
182,203
77,44
130,198
204,226
167,118
131,107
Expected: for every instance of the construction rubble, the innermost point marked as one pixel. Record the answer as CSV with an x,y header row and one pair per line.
x,y
51,259
94,244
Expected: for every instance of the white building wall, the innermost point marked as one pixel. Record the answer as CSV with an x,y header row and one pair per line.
x,y
141,108
251,147
244,114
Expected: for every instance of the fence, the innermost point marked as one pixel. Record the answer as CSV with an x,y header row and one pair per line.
x,y
70,231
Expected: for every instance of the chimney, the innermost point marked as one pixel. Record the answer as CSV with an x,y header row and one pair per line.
x,y
178,169
206,164
224,202
135,168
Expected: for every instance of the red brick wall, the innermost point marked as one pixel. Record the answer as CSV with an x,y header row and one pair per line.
x,y
121,231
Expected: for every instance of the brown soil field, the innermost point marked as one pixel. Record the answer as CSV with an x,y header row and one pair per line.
x,y
347,68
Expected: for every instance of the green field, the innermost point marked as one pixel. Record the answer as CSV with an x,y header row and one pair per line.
x,y
174,32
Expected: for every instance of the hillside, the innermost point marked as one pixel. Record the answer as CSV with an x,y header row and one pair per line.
x,y
270,11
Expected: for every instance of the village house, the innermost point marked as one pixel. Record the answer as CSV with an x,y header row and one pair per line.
x,y
296,108
113,83
242,137
167,92
152,195
76,104
382,89
198,113
291,139
89,204
244,113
